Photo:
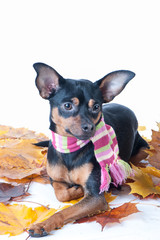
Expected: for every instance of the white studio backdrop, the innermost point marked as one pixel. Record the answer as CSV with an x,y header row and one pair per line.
x,y
80,39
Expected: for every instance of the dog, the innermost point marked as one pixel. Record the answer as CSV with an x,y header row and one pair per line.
x,y
76,108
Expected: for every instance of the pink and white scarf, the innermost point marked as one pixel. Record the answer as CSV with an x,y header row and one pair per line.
x,y
106,151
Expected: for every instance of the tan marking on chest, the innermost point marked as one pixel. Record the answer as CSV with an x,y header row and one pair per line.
x,y
77,176
81,174
58,173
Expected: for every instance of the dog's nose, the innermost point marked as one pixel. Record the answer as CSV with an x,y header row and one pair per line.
x,y
87,128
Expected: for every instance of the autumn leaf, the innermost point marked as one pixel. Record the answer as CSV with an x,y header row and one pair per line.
x,y
16,218
109,197
43,178
72,202
143,184
7,132
154,158
19,157
9,192
20,160
112,216
147,180
152,171
141,128
118,213
158,125
44,213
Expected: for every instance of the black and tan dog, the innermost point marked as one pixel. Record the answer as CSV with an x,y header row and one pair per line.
x,y
76,108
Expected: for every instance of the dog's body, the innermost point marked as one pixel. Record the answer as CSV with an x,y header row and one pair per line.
x,y
76,109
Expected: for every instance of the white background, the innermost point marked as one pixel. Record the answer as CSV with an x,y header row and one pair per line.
x,y
80,39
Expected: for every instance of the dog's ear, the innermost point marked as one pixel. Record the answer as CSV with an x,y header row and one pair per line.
x,y
113,83
47,80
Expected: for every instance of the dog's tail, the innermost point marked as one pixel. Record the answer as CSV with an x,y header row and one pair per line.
x,y
42,144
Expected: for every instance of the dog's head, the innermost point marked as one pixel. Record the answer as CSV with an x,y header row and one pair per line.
x,y
76,105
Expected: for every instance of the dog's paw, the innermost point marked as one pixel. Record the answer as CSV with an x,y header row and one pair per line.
x,y
42,229
37,230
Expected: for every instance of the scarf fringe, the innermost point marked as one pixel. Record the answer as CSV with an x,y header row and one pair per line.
x,y
119,171
105,178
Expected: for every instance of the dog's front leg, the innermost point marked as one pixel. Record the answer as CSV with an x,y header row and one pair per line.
x,y
87,206
65,193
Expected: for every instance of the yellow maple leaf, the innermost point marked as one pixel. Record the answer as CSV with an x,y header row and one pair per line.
x,y
74,201
152,171
16,218
143,184
109,197
43,213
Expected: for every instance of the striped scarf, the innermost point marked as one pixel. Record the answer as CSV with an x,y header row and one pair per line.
x,y
106,151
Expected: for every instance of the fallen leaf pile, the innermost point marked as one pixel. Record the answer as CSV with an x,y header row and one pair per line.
x,y
22,162
17,218
146,181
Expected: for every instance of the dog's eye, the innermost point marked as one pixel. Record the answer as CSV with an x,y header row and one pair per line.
x,y
68,106
96,108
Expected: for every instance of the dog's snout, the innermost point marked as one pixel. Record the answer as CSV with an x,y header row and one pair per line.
x,y
88,127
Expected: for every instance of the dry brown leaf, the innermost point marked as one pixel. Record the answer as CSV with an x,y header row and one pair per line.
x,y
19,158
154,158
7,132
112,216
158,125
43,178
10,192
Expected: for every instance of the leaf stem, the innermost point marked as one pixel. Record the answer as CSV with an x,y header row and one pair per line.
x,y
33,203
